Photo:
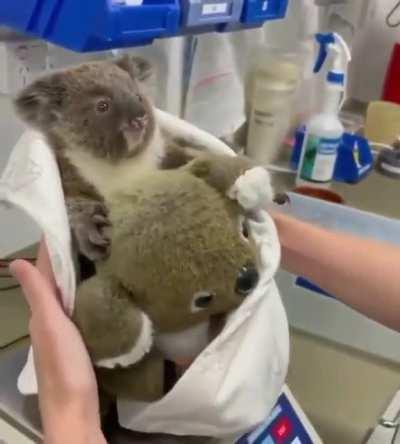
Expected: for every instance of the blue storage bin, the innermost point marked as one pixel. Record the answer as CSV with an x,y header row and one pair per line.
x,y
308,285
95,25
203,13
259,11
92,25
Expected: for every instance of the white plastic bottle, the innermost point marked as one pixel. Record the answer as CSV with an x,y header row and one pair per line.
x,y
272,95
323,135
324,130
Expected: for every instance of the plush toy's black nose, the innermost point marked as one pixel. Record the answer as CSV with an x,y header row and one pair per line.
x,y
202,300
247,280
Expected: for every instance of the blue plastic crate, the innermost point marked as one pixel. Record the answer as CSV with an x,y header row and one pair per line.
x,y
95,25
92,25
203,13
259,11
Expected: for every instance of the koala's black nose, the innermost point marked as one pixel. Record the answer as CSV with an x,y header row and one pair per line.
x,y
247,280
134,108
137,111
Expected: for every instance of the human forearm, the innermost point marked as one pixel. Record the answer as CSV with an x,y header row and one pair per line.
x,y
361,273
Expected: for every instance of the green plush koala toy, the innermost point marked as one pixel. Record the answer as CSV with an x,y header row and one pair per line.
x,y
181,258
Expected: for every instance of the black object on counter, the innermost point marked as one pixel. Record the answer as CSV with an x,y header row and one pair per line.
x,y
388,162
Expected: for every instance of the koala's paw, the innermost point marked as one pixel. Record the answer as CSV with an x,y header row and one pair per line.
x,y
253,189
142,346
90,224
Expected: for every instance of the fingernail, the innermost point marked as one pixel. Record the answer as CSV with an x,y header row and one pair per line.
x,y
14,268
11,268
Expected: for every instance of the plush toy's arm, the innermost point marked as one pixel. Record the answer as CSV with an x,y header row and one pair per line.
x,y
220,171
114,329
238,177
179,152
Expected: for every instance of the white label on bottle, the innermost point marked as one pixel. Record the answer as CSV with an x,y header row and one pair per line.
x,y
215,8
265,118
324,166
319,159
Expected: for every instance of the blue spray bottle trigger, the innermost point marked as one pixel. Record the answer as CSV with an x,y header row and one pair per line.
x,y
324,41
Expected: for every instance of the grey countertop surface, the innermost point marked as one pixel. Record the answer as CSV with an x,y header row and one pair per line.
x,y
21,411
376,193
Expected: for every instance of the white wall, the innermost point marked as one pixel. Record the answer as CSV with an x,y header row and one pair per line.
x,y
16,230
372,47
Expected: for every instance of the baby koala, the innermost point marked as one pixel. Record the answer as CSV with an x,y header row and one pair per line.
x,y
101,127
100,124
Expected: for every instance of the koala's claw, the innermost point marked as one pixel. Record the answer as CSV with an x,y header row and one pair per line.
x,y
281,199
101,220
253,189
99,238
90,224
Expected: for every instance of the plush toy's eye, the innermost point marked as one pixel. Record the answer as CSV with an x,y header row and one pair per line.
x,y
247,280
202,300
102,106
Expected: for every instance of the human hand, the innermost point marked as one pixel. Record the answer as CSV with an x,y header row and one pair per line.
x,y
67,386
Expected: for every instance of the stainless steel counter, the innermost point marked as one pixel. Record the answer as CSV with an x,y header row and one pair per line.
x,y
19,410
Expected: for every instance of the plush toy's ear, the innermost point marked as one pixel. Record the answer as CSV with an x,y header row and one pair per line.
x,y
220,171
40,103
137,67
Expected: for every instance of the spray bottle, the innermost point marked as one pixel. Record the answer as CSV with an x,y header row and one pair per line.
x,y
324,130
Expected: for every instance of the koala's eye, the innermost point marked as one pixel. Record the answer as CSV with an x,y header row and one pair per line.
x,y
102,106
202,300
139,97
247,280
245,229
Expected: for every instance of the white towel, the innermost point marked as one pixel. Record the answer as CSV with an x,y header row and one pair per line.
x,y
233,385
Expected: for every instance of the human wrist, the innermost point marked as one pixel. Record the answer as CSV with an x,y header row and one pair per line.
x,y
285,226
297,239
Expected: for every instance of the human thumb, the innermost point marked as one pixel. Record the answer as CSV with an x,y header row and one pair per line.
x,y
37,289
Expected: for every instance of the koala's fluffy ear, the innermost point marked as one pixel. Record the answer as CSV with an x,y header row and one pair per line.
x,y
40,103
137,67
